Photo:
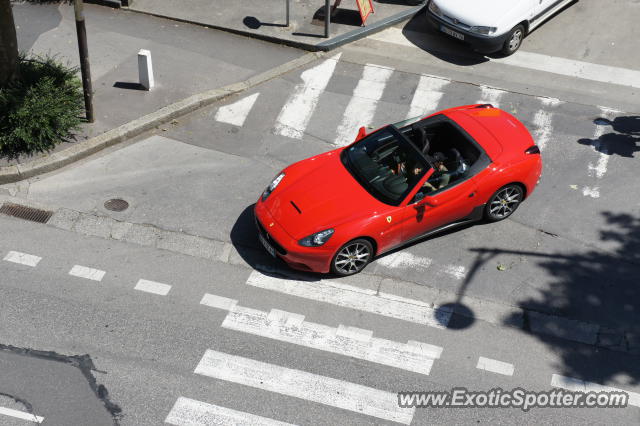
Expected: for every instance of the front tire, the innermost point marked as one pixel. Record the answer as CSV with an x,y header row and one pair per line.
x,y
514,40
352,257
503,203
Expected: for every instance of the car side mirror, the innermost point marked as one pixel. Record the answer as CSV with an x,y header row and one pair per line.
x,y
419,197
362,132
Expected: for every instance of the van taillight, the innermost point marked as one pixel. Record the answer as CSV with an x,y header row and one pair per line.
x,y
532,150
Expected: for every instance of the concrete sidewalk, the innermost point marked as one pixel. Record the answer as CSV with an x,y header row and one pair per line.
x,y
187,60
266,19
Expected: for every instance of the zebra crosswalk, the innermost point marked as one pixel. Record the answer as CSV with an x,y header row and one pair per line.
x,y
322,107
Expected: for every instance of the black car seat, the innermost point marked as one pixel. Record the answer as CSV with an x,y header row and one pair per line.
x,y
455,163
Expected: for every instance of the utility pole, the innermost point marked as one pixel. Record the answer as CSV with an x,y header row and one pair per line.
x,y
84,59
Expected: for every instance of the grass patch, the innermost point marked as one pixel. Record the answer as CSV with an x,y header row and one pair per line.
x,y
41,108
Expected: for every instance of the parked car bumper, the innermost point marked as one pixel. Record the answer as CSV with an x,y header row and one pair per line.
x,y
484,44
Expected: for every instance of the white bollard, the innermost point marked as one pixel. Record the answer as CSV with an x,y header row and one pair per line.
x,y
145,69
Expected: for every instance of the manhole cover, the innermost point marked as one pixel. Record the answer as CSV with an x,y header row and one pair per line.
x,y
116,205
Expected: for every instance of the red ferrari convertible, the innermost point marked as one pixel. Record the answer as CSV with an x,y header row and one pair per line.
x,y
338,210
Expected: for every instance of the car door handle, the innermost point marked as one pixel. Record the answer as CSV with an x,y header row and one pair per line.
x,y
472,194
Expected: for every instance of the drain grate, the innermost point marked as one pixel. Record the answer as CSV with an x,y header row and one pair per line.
x,y
27,213
116,205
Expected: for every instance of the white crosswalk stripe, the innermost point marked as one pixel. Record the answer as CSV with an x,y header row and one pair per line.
x,y
403,259
296,113
363,103
237,112
288,327
599,169
353,297
300,384
490,95
543,128
189,412
427,95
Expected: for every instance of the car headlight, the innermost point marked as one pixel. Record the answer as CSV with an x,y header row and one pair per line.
x,y
272,186
433,8
483,30
317,239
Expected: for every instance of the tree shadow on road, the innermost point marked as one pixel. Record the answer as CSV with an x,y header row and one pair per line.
x,y
597,287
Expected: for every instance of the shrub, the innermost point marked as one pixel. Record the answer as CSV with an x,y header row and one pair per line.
x,y
42,107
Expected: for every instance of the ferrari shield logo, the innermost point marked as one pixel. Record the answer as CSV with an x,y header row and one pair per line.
x,y
271,224
389,219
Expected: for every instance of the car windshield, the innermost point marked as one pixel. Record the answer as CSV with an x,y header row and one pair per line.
x,y
386,164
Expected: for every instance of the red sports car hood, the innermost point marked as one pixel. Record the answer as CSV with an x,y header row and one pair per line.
x,y
316,194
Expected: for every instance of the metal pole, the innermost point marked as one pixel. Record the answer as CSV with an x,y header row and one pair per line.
x,y
327,18
84,60
287,12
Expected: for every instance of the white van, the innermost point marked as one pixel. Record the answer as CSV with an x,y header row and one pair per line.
x,y
491,25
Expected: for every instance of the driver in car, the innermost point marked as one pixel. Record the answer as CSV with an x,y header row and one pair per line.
x,y
440,178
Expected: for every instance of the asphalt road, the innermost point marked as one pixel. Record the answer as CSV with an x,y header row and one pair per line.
x,y
145,346
119,294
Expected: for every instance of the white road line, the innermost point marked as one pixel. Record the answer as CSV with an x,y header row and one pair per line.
x,y
600,168
296,113
189,412
573,68
427,96
354,342
21,415
588,191
363,103
408,260
303,385
536,61
490,95
603,159
88,273
237,112
402,259
456,271
552,102
22,258
577,385
495,366
543,129
153,287
356,298
218,302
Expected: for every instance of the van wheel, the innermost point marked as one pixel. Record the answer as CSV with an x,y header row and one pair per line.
x,y
514,40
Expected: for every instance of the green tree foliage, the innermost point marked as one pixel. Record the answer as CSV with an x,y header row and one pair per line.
x,y
39,109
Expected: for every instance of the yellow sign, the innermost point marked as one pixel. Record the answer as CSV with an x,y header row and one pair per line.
x,y
389,219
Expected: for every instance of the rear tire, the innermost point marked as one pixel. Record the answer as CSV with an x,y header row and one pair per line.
x,y
352,257
503,203
513,40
